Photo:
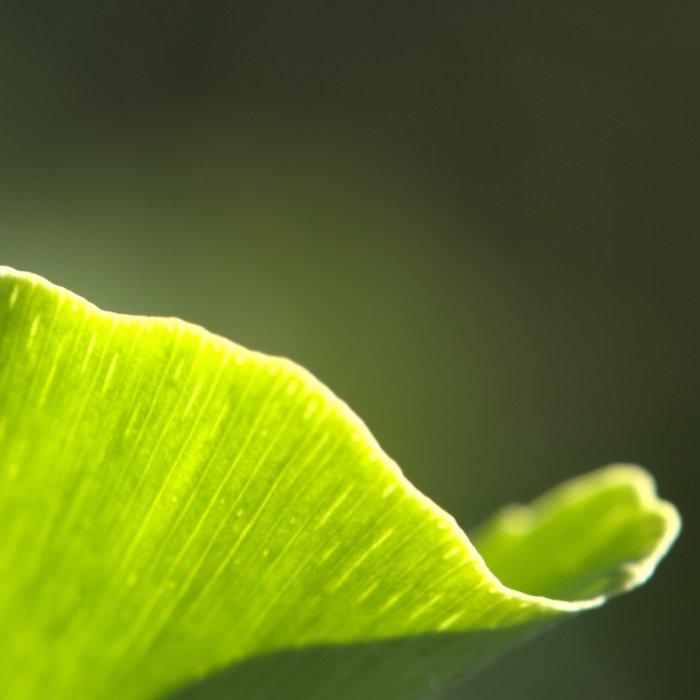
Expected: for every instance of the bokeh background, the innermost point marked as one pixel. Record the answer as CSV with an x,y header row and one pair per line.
x,y
476,221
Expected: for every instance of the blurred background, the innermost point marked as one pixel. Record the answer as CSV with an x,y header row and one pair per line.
x,y
476,221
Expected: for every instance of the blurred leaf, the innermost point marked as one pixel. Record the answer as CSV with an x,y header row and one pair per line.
x,y
180,512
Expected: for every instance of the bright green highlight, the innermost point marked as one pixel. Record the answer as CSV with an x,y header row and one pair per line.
x,y
174,506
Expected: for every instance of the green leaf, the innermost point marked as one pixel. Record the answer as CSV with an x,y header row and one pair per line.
x,y
179,512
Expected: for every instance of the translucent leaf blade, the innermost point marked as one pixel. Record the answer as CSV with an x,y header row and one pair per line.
x,y
175,505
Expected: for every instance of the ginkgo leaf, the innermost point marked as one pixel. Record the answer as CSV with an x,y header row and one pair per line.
x,y
178,512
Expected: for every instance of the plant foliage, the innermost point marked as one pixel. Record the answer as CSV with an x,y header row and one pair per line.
x,y
180,514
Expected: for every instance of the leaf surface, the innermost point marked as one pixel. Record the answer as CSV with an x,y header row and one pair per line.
x,y
179,513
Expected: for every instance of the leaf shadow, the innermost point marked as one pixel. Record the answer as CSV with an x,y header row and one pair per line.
x,y
410,668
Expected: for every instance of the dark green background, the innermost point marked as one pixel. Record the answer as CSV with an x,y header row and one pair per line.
x,y
478,222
